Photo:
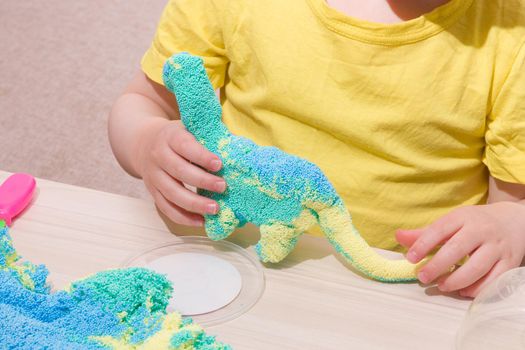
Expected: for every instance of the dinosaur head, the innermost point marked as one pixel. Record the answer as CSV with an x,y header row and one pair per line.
x,y
181,68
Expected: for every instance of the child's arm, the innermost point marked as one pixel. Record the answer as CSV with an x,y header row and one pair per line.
x,y
150,142
492,234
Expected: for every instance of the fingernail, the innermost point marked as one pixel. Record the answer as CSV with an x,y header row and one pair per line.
x,y
220,186
212,208
216,165
412,256
423,277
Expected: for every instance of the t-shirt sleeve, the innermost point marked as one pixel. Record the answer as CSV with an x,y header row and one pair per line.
x,y
505,133
193,26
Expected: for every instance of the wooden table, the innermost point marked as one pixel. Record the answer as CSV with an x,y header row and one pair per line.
x,y
311,301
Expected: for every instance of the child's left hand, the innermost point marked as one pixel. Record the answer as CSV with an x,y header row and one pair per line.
x,y
493,236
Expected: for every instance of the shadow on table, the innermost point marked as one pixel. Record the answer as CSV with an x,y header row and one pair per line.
x,y
433,291
308,248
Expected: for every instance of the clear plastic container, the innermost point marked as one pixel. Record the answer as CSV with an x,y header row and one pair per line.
x,y
496,317
246,265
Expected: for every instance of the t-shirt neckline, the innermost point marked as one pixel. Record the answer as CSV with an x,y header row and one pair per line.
x,y
402,33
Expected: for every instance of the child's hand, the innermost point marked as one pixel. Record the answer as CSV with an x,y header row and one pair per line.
x,y
168,159
493,235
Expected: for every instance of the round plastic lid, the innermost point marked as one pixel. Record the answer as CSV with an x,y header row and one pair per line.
x,y
213,282
496,317
202,283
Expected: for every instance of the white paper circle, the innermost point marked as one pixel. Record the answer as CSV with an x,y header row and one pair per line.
x,y
201,283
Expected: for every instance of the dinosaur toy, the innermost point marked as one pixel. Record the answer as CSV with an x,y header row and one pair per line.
x,y
114,309
282,194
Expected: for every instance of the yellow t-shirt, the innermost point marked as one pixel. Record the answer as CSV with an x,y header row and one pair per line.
x,y
405,119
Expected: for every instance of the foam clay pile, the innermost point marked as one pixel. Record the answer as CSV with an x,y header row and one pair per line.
x,y
282,194
114,309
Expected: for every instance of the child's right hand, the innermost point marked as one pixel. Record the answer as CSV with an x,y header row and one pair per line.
x,y
172,157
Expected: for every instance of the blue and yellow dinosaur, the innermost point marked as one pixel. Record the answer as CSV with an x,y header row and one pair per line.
x,y
282,194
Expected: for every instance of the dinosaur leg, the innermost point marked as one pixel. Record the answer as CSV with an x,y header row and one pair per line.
x,y
277,241
221,225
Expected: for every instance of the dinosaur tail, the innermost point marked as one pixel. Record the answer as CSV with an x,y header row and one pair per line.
x,y
201,112
337,225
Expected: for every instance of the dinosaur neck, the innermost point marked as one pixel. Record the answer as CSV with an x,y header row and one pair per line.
x,y
204,122
199,107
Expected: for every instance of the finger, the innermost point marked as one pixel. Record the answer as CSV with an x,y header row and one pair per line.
x,y
179,195
442,278
477,266
185,144
407,237
175,213
453,251
190,174
474,289
439,231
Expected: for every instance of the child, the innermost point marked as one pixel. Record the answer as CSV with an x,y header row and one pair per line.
x,y
414,109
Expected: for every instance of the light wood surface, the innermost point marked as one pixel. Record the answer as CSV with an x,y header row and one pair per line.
x,y
311,301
